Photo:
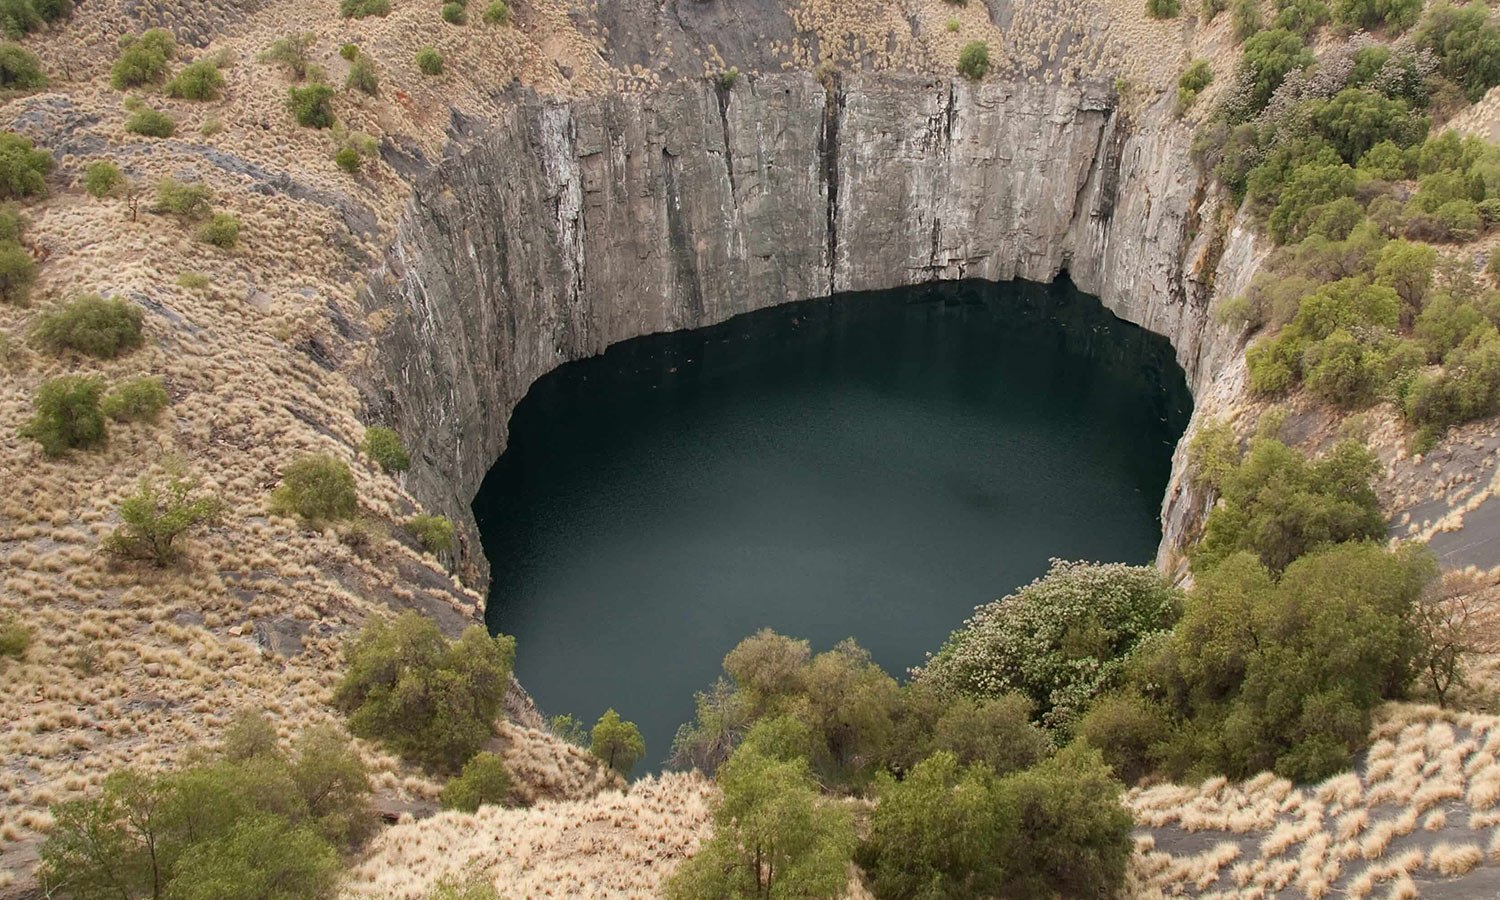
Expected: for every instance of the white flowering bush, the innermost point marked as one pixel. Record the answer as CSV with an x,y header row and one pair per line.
x,y
1060,640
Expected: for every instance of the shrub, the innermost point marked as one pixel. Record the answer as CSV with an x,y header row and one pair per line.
x,y
17,273
1245,17
996,732
67,415
14,638
1074,839
1357,119
152,519
143,60
455,14
1193,80
92,325
384,446
200,80
1279,505
974,60
727,78
362,75
1467,46
316,487
427,699
434,532
139,399
1129,732
151,123
1267,59
1301,16
429,61
347,158
570,729
616,742
23,169
1395,15
349,51
312,105
484,782
769,823
20,70
497,13
19,18
52,10
292,53
193,281
1163,9
222,230
358,9
102,178
185,201
1059,641
952,26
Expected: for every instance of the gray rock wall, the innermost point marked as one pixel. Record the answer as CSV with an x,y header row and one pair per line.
x,y
567,226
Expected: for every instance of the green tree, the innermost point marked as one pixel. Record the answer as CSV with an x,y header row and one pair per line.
x,y
222,230
1467,46
484,782
312,105
1163,9
292,53
362,75
152,519
67,415
333,785
143,59
139,399
429,61
1396,15
1356,119
429,700
198,80
149,122
974,60
358,9
102,178
1407,269
617,742
850,703
20,70
384,446
497,13
14,638
454,14
774,836
1130,732
17,273
1267,58
1193,80
23,168
316,487
262,858
570,729
435,533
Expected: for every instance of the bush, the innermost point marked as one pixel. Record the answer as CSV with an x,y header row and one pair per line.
x,y
102,178
1267,58
67,415
362,75
1467,46
143,60
1357,119
996,732
1059,641
153,519
384,446
429,700
200,80
222,230
455,14
149,122
429,61
292,53
484,782
769,822
347,158
1129,732
497,13
14,638
317,488
1245,17
434,532
727,78
1395,15
349,51
974,60
92,325
1301,17
17,273
358,9
569,729
1163,9
20,70
23,169
1074,839
19,18
139,399
1193,80
185,201
193,281
312,105
616,742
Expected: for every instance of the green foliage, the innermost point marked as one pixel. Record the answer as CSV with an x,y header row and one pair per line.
x,y
1357,119
1059,641
1193,80
152,519
1467,46
362,75
1267,59
1279,505
1213,454
199,80
384,446
261,858
1406,268
1319,347
1246,18
102,178
429,700
429,61
1304,195
316,487
19,18
66,415
222,230
455,14
358,9
974,60
92,325
1163,9
1131,733
149,122
727,78
617,742
143,60
476,887
570,729
996,732
347,158
183,200
1301,17
312,105
292,53
14,638
139,399
1393,15
1468,387
484,782
774,836
497,13
193,281
20,70
349,51
17,273
435,533
23,169
1074,839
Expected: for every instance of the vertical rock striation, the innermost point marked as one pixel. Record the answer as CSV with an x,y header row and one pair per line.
x,y
565,227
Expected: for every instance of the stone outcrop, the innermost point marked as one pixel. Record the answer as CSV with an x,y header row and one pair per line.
x,y
564,227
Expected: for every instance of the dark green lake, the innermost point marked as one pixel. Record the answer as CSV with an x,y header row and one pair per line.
x,y
873,465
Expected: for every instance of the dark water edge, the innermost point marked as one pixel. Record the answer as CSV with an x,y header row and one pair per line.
x,y
871,464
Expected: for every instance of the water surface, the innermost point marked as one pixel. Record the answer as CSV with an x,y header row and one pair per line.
x,y
872,465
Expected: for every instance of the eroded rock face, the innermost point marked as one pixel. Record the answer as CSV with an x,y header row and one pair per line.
x,y
566,227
